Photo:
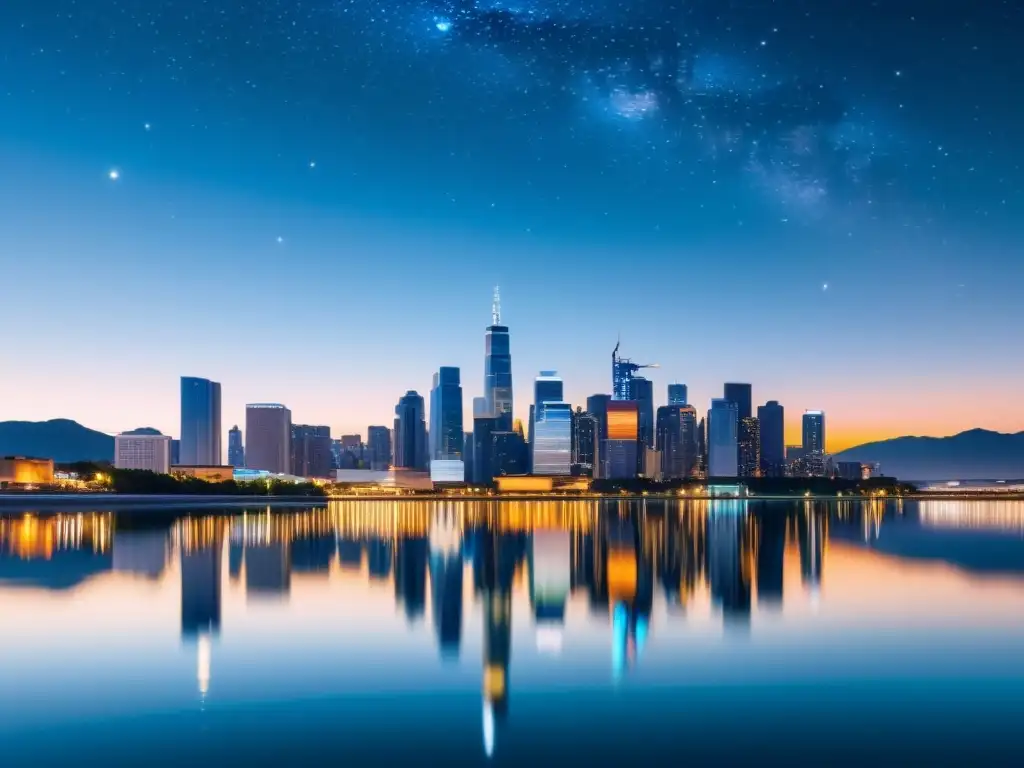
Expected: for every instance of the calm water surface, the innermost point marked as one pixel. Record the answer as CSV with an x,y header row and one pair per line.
x,y
516,633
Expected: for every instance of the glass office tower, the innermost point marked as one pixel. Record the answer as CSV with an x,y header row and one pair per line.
x,y
200,443
498,369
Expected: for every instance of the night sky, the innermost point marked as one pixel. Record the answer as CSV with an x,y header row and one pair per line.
x,y
310,201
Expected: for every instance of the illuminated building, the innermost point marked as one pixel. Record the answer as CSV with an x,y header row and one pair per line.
x,y
143,449
467,456
552,434
211,474
200,590
236,450
378,443
268,437
541,484
796,466
642,393
310,451
814,442
410,433
677,441
446,415
723,452
498,370
702,449
547,388
22,470
200,422
597,406
749,447
853,470
677,394
584,443
386,479
619,451
772,419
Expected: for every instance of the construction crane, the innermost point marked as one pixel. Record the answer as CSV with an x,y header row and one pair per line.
x,y
623,370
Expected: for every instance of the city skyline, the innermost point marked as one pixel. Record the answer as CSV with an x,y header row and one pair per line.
x,y
802,208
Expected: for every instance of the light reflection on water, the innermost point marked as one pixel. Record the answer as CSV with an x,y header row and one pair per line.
x,y
504,631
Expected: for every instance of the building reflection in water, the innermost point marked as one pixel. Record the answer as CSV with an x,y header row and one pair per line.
x,y
612,560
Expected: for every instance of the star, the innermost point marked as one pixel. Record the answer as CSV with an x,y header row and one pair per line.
x,y
280,239
312,163
824,287
114,174
146,126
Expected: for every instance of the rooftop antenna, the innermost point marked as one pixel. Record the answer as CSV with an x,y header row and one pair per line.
x,y
496,307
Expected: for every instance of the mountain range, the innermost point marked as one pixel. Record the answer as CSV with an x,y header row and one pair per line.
x,y
62,440
977,454
972,455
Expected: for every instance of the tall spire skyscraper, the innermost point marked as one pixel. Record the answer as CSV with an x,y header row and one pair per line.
x,y
498,369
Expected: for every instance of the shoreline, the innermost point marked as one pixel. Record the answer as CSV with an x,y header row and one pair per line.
x,y
18,501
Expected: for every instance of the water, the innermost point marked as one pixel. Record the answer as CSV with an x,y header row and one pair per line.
x,y
380,633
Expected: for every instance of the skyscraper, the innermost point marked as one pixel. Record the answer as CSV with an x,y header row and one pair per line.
x,y
677,394
483,449
677,441
584,443
619,450
771,416
723,428
814,442
200,422
597,406
741,395
311,451
552,445
378,441
749,447
498,369
641,391
446,415
623,371
547,440
268,437
410,433
236,452
508,454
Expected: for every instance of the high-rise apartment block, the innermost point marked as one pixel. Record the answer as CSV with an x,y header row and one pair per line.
x,y
268,437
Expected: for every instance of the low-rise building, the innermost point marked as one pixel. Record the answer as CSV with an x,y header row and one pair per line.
x,y
23,470
210,473
142,451
541,484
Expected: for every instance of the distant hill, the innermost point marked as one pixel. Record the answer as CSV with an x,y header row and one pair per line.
x,y
977,454
62,440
